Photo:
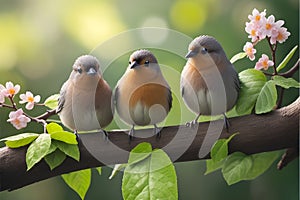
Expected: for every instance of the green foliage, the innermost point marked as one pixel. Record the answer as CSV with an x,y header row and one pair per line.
x,y
237,57
55,158
52,101
238,166
117,168
20,140
150,175
252,81
71,150
99,170
235,167
267,98
285,82
79,181
286,59
37,150
219,150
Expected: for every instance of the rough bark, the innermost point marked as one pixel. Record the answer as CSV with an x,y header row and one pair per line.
x,y
257,133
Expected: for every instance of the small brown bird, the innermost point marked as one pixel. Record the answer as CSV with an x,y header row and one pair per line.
x,y
142,95
209,82
85,101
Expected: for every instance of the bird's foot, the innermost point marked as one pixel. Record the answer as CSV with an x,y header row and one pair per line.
x,y
191,124
226,123
105,134
131,134
157,132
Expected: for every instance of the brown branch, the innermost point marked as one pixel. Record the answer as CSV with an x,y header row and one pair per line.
x,y
257,133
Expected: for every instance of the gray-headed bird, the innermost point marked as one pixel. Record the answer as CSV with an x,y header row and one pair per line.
x,y
85,101
209,82
142,95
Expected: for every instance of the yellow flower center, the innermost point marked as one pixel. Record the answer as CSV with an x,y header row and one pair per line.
x,y
265,64
17,122
268,26
249,50
253,32
30,99
257,17
279,36
11,91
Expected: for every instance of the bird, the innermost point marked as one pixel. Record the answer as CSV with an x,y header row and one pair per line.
x,y
142,95
209,83
85,100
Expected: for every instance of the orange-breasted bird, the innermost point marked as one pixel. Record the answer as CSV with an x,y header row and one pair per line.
x,y
209,82
142,95
85,101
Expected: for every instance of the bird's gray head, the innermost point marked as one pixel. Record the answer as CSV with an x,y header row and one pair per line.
x,y
86,64
208,46
143,58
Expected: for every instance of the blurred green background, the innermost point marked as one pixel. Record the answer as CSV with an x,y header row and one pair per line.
x,y
39,41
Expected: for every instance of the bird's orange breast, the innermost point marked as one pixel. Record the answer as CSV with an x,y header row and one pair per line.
x,y
150,94
193,76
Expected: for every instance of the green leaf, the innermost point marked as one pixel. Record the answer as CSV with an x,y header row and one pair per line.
x,y
20,140
52,148
267,98
37,150
52,101
154,177
79,181
237,57
252,82
117,168
285,82
235,167
99,170
212,166
287,59
55,158
71,150
140,152
54,127
219,150
64,136
260,163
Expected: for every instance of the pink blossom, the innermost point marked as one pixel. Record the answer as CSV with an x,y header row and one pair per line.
x,y
29,99
18,119
10,89
252,30
264,63
2,97
249,50
280,35
257,17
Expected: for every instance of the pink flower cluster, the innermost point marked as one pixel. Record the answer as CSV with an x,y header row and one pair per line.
x,y
17,118
261,27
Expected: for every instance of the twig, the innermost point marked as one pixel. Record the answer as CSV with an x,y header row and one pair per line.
x,y
292,71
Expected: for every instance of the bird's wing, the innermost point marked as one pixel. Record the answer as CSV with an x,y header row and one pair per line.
x,y
115,96
170,98
61,99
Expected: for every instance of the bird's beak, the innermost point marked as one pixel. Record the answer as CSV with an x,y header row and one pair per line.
x,y
91,71
190,54
133,65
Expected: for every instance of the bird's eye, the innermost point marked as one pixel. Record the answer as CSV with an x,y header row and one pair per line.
x,y
204,50
129,62
79,70
147,63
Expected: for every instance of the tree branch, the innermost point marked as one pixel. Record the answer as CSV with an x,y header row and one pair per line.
x,y
257,133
